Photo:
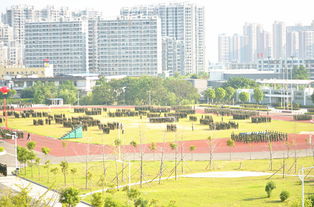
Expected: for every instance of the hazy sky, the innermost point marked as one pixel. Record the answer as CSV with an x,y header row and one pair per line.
x,y
222,16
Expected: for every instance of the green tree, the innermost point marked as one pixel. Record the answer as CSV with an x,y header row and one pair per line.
x,y
210,94
69,197
184,90
47,166
27,93
258,95
140,202
133,194
42,91
239,82
231,144
97,200
109,202
192,148
64,169
220,93
244,96
300,73
17,199
73,172
102,93
311,200
31,145
37,163
45,150
284,195
55,172
230,92
31,155
174,146
270,186
68,92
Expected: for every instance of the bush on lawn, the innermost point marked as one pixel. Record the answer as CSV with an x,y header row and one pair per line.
x,y
284,195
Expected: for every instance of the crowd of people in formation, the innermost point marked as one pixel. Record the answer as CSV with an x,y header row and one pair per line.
x,y
171,127
260,119
223,125
266,136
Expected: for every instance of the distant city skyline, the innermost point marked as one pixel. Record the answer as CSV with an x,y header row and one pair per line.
x,y
222,16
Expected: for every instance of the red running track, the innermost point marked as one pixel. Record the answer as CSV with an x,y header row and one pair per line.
x,y
220,146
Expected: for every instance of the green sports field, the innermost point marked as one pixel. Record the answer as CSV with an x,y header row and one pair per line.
x,y
151,132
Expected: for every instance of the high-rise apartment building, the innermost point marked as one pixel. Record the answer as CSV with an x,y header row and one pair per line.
x,y
184,22
224,48
279,40
16,17
172,56
293,44
127,45
235,48
6,34
306,44
64,44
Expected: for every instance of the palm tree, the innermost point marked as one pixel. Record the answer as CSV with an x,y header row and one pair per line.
x,y
192,148
230,143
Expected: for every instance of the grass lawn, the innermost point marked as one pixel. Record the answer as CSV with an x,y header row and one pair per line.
x,y
151,170
218,192
134,126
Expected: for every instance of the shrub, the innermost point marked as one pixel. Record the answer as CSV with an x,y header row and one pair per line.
x,y
97,200
311,200
69,197
302,117
284,195
270,186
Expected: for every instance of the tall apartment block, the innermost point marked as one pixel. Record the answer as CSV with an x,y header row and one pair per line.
x,y
224,48
172,56
253,44
127,45
183,22
279,40
64,44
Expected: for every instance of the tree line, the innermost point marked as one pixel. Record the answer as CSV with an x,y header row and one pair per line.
x,y
227,92
126,91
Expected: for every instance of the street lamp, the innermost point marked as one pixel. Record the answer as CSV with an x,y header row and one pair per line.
x,y
301,177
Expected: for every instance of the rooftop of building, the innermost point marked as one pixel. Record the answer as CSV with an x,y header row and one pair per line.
x,y
285,81
241,71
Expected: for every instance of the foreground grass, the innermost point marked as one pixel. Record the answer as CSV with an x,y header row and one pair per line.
x,y
218,192
136,128
151,170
